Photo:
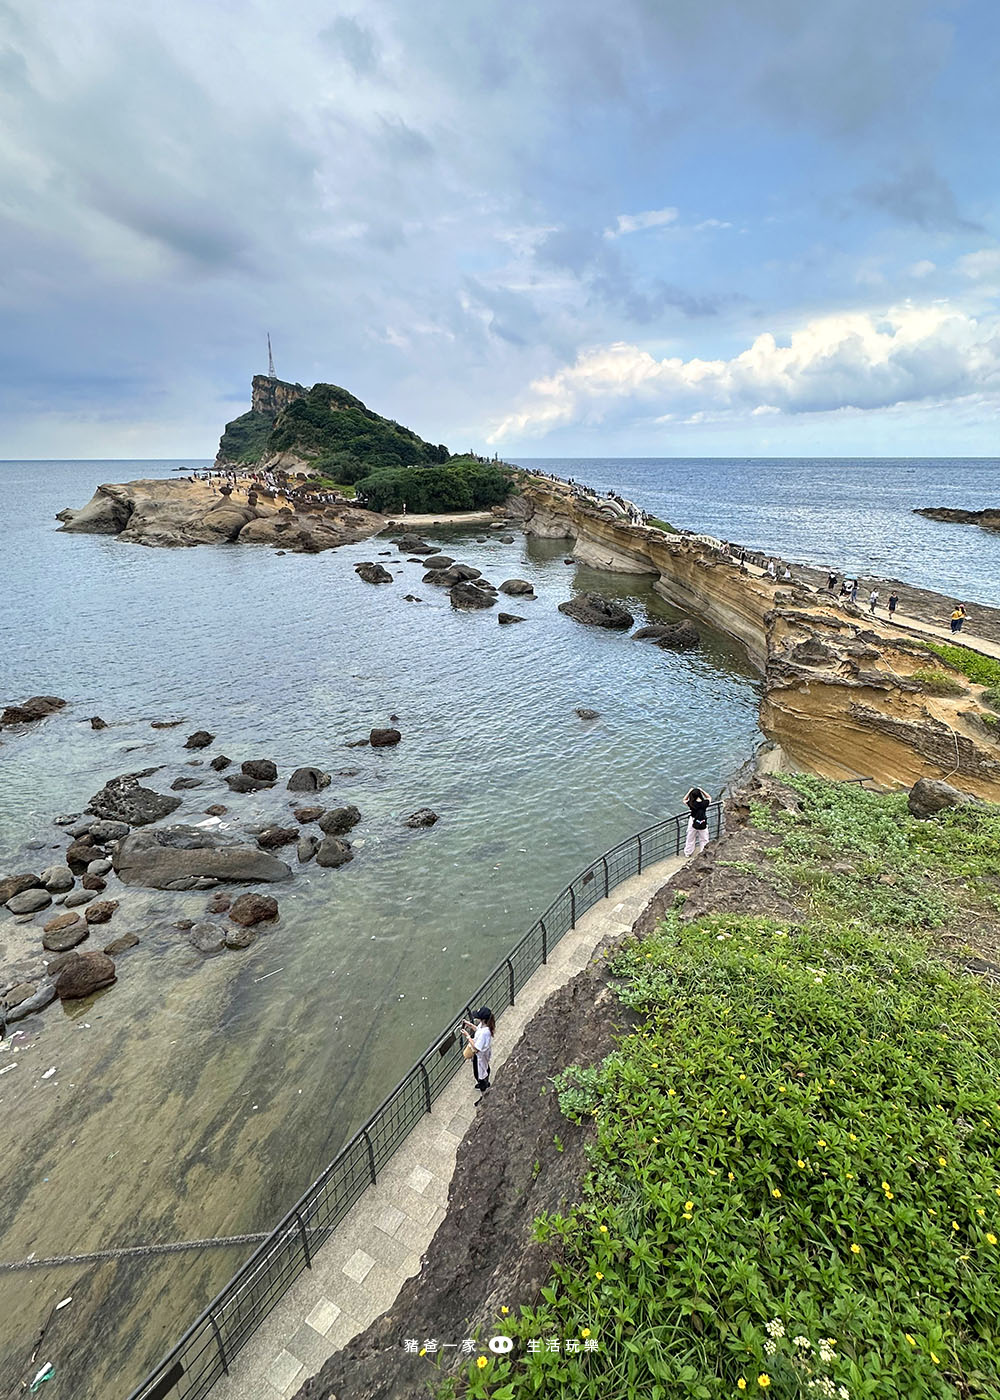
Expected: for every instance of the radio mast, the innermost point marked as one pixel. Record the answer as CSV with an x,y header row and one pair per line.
x,y
270,359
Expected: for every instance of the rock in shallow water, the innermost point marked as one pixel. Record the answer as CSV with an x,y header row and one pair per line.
x,y
423,817
63,939
200,739
29,902
123,799
57,879
339,820
11,885
308,780
252,909
597,611
334,852
157,859
265,770
84,973
382,738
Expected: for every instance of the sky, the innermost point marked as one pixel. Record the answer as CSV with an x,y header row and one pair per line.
x,y
647,228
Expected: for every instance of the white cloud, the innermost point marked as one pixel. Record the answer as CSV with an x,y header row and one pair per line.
x,y
857,361
636,223
923,268
980,266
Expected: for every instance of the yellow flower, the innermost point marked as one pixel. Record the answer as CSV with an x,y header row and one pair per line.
x,y
689,1205
889,1196
855,1249
656,1139
671,1093
954,1224
908,1338
935,1359
598,1276
688,1215
931,1211
775,1193
743,1076
852,1136
481,1362
505,1310
991,1238
800,1163
741,1384
763,1380
731,1177
942,1161
850,1176
885,1186
782,1089
821,1143
603,1229
584,1332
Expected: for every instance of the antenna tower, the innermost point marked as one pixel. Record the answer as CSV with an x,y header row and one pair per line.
x,y
270,359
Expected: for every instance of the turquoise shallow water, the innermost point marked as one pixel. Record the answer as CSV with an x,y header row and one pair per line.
x,y
201,1097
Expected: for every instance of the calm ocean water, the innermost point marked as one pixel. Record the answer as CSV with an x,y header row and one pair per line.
x,y
850,514
176,1094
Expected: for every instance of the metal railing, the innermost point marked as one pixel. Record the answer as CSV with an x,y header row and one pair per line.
x,y
207,1348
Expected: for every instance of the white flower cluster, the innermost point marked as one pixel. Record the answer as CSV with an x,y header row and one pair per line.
x,y
823,1385
775,1328
769,1347
802,1342
826,1350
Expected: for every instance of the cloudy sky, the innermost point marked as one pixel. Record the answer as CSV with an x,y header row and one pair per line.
x,y
542,227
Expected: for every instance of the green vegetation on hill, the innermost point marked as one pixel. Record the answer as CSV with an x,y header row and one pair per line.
x,y
333,428
464,483
982,670
794,1189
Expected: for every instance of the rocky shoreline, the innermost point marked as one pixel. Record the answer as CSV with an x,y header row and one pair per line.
x,y
987,519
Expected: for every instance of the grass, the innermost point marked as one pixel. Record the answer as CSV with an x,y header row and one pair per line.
x,y
793,1184
982,670
325,483
938,682
664,525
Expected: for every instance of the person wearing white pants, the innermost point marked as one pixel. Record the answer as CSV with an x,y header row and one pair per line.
x,y
697,801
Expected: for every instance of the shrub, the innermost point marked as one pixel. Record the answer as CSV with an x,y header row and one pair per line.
x,y
983,670
938,683
991,697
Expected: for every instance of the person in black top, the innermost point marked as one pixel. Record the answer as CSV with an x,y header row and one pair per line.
x,y
893,604
697,801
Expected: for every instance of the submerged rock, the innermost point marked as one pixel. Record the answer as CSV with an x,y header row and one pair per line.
x,y
123,799
505,619
381,738
97,723
36,708
518,588
422,817
36,1002
200,739
61,940
673,636
308,780
276,836
159,859
339,820
468,595
241,782
83,974
207,938
252,909
29,902
119,945
584,713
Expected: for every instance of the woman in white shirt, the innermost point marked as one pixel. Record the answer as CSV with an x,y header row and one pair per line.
x,y
480,1036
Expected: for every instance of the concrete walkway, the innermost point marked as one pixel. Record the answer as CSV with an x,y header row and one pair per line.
x,y
359,1272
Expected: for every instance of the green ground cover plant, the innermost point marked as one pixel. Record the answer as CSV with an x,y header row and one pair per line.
x,y
938,682
663,525
983,670
794,1188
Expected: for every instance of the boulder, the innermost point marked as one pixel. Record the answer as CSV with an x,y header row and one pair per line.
x,y
29,901
584,713
10,885
61,940
333,852
505,619
506,539
42,998
372,573
219,902
99,867
108,831
411,598
60,922
252,909
101,912
157,859
94,882
409,543
182,784
265,770
216,810
207,938
339,820
97,723
518,588
423,817
239,782
219,762
307,814
200,739
15,995
240,937
381,738
597,611
674,636
165,723
931,795
80,854
123,799
467,595
306,848
57,879
36,708
276,836
438,561
84,973
77,897
82,827
118,945
308,780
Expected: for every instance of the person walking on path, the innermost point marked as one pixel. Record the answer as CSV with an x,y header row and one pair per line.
x,y
831,582
771,570
873,601
480,1035
893,605
957,618
697,801
854,591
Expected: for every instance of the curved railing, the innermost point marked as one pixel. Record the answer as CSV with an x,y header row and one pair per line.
x,y
206,1349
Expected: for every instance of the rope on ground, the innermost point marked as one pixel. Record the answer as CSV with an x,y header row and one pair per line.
x,y
138,1251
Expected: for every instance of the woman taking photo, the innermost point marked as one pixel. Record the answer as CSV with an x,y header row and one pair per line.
x,y
697,801
479,1037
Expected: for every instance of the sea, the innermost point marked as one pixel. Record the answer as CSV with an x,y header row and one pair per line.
x,y
200,1096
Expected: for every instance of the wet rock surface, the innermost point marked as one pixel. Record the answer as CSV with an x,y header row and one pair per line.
x,y
83,974
597,611
30,710
158,859
124,799
250,909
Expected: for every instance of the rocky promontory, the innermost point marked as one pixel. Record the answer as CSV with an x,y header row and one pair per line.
x,y
177,512
987,519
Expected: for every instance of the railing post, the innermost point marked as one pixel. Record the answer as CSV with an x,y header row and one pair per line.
x,y
371,1154
305,1240
639,843
218,1342
572,907
510,980
545,941
604,862
427,1085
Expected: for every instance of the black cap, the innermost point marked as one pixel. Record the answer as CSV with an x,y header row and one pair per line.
x,y
484,1014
